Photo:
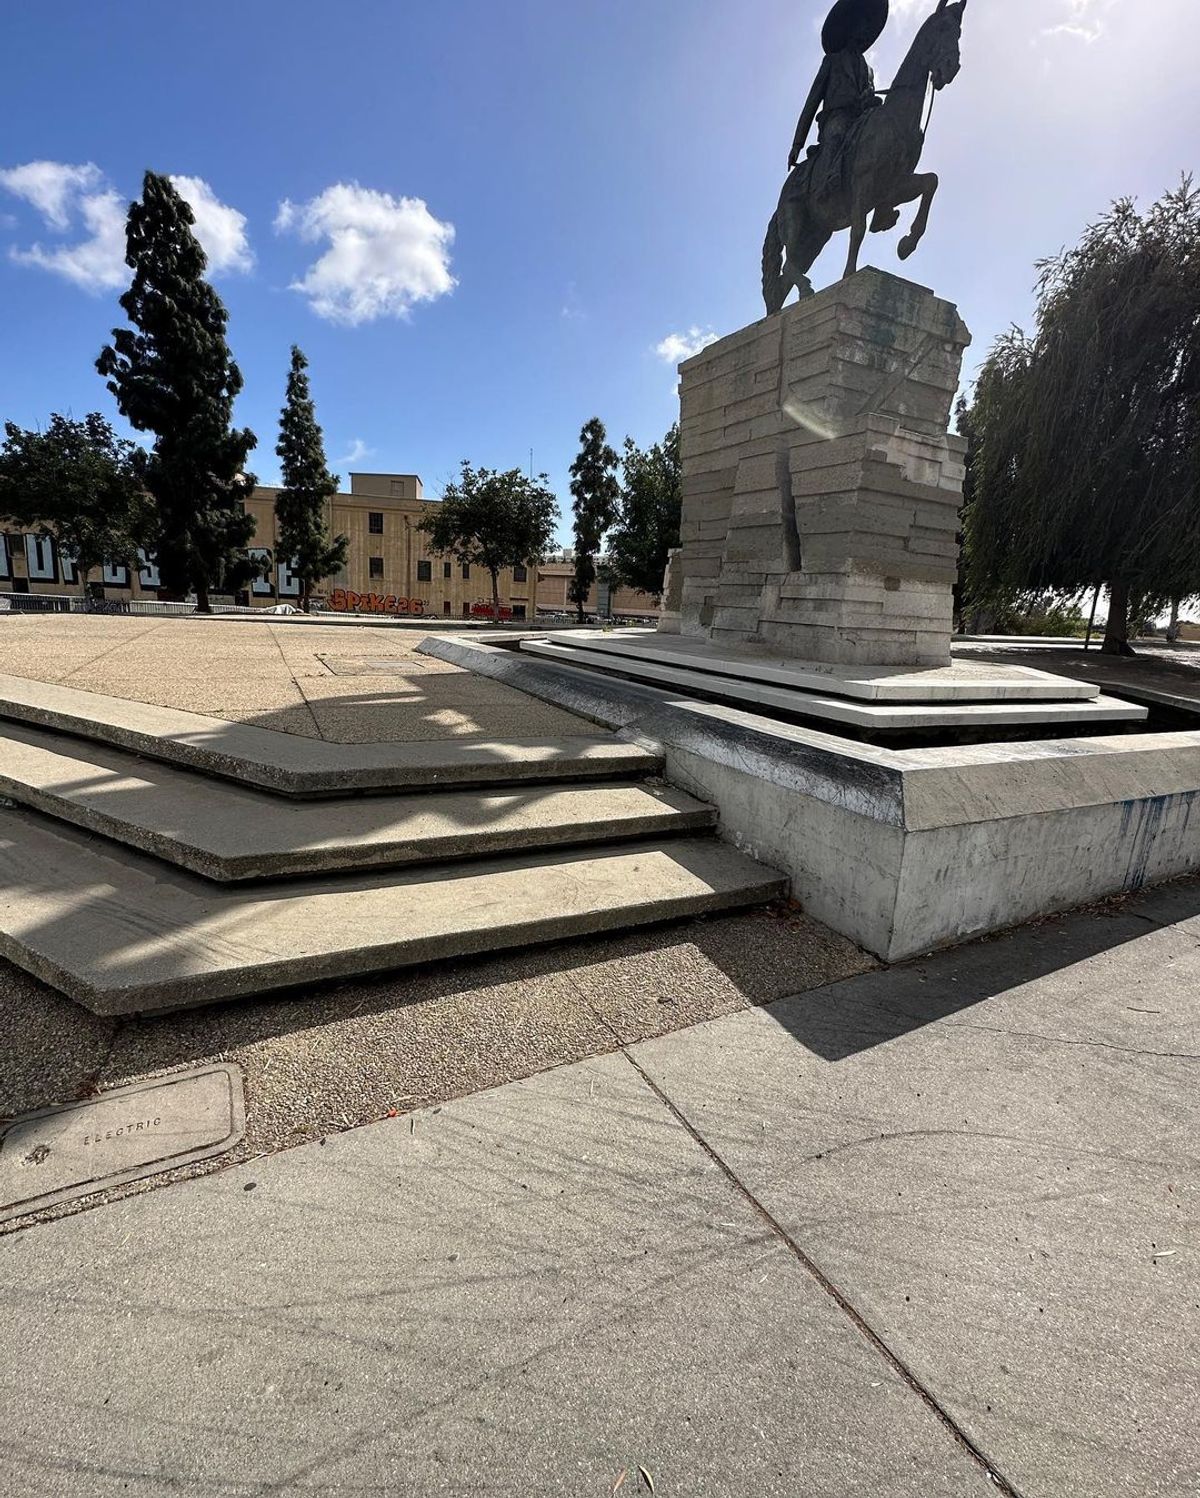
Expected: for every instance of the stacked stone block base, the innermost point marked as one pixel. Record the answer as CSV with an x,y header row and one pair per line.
x,y
821,488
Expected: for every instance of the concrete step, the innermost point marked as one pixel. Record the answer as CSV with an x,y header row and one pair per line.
x,y
124,934
964,680
876,716
229,832
287,764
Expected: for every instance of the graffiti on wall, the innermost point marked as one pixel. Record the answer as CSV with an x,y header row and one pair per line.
x,y
346,600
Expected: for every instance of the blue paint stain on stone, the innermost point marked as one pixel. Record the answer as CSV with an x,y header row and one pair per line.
x,y
1141,823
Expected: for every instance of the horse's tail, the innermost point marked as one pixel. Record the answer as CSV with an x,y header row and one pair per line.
x,y
774,283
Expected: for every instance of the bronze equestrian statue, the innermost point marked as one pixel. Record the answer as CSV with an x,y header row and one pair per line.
x,y
868,149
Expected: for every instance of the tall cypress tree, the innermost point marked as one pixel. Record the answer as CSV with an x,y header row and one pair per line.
x,y
172,374
308,486
596,493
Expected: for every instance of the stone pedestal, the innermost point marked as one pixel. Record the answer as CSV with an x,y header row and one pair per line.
x,y
821,488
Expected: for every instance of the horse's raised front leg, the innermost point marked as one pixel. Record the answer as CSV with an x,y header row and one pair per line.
x,y
926,185
858,232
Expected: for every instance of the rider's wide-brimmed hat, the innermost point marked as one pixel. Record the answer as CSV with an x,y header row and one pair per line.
x,y
854,20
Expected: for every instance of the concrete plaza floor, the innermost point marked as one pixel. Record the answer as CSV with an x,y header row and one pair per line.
x,y
927,1231
347,684
722,1208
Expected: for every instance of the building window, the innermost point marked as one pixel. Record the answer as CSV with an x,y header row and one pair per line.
x,y
466,571
466,610
518,610
446,606
447,570
375,566
375,522
424,572
520,575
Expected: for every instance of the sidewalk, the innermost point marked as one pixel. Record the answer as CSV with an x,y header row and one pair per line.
x,y
880,1239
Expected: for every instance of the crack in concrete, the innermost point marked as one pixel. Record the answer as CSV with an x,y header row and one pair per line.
x,y
120,645
272,628
1105,1045
840,1298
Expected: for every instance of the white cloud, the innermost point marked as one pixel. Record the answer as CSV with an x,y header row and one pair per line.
x,y
51,186
96,263
357,451
66,195
385,254
676,347
1083,19
219,228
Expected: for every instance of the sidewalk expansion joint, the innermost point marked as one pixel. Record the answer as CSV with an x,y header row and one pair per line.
x,y
862,1326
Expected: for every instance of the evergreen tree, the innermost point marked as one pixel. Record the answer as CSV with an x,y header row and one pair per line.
x,y
647,526
308,487
493,520
172,374
77,482
1087,470
597,494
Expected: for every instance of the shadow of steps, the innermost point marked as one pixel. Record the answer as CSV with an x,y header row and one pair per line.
x,y
228,832
289,765
122,933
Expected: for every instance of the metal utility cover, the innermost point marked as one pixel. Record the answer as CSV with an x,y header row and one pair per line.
x,y
58,1154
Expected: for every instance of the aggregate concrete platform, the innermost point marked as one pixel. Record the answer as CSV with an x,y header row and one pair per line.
x,y
882,716
121,933
289,764
228,832
963,681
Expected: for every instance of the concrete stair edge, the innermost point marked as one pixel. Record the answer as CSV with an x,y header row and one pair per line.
x,y
882,716
291,765
121,934
226,832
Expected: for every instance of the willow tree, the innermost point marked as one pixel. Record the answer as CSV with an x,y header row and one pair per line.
x,y
302,504
1087,469
172,375
596,494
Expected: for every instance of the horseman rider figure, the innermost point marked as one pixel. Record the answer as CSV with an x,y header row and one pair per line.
x,y
845,86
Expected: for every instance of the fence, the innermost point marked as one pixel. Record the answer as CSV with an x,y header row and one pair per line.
x,y
59,603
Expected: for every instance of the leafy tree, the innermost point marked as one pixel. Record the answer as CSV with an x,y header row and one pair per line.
x,y
1088,464
493,520
647,526
597,494
308,486
172,374
78,482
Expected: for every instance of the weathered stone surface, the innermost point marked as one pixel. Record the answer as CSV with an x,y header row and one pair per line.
x,y
58,1154
288,764
904,850
225,831
845,467
884,717
964,681
122,934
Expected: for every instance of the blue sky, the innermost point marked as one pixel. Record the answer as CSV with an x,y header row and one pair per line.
x,y
482,223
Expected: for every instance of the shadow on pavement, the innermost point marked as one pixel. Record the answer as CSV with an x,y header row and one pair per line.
x,y
879,1007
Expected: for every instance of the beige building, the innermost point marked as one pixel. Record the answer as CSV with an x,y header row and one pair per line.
x,y
554,580
389,570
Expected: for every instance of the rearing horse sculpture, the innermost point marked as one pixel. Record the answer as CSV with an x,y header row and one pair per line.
x,y
878,171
